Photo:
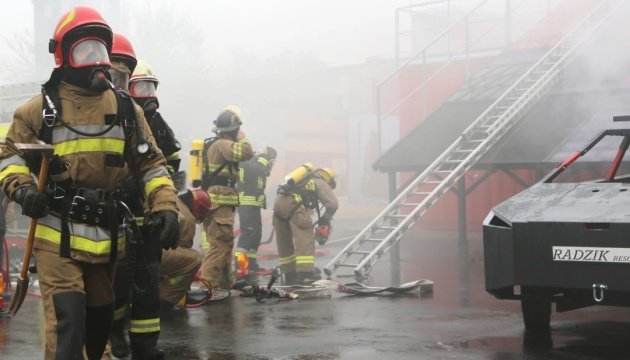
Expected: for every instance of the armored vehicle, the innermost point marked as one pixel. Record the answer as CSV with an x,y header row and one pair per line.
x,y
565,242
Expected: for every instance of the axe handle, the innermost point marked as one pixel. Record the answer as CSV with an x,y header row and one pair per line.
x,y
28,250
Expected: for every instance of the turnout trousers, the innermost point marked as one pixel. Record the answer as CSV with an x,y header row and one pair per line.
x,y
142,294
177,271
294,238
217,261
78,306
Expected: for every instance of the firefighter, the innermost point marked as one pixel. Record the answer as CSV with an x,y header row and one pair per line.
x,y
140,290
78,235
180,265
294,227
219,176
143,86
253,176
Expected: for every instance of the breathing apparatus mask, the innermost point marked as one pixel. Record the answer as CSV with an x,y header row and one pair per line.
x,y
88,65
119,73
145,94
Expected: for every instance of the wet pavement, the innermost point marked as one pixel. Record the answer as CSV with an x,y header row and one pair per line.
x,y
459,320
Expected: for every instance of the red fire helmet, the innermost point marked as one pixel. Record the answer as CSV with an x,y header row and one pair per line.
x,y
122,50
91,24
201,203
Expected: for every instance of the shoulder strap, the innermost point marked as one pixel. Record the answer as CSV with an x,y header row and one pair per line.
x,y
129,122
51,108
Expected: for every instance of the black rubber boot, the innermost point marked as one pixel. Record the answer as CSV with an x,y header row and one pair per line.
x,y
289,278
120,346
98,326
151,354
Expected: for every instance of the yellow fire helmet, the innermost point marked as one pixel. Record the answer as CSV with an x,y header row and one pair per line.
x,y
143,71
328,174
236,111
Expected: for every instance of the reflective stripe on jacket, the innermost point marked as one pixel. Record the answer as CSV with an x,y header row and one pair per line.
x,y
252,181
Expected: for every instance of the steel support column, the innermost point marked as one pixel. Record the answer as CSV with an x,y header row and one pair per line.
x,y
394,253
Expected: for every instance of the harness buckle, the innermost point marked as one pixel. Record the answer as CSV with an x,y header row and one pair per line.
x,y
49,117
75,203
57,191
130,125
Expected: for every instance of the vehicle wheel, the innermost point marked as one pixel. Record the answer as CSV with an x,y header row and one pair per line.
x,y
536,312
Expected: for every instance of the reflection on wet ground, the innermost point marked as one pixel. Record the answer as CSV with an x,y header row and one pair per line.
x,y
458,320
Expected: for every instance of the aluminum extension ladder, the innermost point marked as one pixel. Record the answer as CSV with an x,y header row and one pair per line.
x,y
386,230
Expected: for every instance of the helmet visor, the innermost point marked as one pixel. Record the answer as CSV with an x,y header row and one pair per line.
x,y
89,52
142,89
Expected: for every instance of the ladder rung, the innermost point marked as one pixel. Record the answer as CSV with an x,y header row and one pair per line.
x,y
385,227
432,182
348,265
442,171
396,216
359,252
464,150
407,204
453,161
420,193
373,240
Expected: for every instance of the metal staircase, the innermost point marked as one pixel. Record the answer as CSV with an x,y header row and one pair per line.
x,y
387,229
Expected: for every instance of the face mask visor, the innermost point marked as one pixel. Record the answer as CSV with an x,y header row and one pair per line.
x,y
143,89
120,79
89,52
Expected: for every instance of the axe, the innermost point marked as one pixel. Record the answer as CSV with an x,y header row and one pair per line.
x,y
22,282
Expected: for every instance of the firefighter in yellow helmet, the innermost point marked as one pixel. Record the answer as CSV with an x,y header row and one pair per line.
x,y
222,155
143,88
77,238
293,224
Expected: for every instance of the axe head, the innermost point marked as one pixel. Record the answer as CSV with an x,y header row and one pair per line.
x,y
39,146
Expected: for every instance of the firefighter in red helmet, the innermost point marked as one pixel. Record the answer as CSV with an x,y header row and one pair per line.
x,y
78,236
123,62
137,294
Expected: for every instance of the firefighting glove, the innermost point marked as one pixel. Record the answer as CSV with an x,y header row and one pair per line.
x,y
34,204
166,227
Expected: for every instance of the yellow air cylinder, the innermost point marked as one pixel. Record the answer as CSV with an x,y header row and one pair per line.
x,y
195,164
299,173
